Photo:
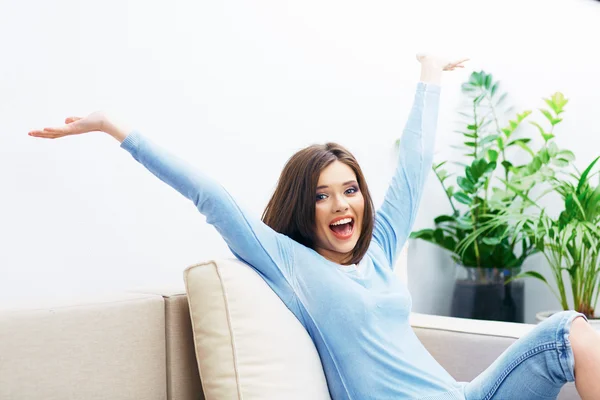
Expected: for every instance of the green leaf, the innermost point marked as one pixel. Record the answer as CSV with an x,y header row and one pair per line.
x,y
494,88
449,244
465,184
444,218
547,136
490,167
469,174
425,234
507,165
547,172
438,236
566,155
544,156
488,139
524,147
560,162
535,165
585,173
529,274
492,155
463,198
488,81
470,144
439,165
542,132
500,143
547,114
523,115
464,223
442,175
492,241
501,99
514,142
557,102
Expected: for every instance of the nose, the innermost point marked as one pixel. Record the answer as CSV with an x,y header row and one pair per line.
x,y
341,205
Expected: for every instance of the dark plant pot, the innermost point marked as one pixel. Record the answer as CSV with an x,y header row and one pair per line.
x,y
480,293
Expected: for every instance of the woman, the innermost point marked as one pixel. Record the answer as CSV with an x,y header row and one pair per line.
x,y
330,259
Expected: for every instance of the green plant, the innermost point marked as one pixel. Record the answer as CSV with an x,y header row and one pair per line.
x,y
570,242
491,179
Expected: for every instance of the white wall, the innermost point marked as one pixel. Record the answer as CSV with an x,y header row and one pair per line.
x,y
235,87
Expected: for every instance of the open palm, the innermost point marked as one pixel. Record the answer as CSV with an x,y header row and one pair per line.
x,y
73,126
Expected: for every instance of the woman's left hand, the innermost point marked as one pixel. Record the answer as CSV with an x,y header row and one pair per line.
x,y
441,63
432,67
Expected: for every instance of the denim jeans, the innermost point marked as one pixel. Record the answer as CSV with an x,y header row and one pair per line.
x,y
536,366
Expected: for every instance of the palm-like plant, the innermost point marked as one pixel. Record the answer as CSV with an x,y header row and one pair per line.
x,y
570,242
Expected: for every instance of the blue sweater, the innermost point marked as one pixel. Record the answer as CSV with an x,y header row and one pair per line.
x,y
357,315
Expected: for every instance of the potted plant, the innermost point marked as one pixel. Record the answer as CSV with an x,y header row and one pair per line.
x,y
487,260
570,242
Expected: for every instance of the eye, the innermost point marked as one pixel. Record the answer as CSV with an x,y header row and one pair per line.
x,y
352,190
321,196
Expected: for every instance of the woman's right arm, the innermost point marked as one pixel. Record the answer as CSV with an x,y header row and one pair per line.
x,y
269,252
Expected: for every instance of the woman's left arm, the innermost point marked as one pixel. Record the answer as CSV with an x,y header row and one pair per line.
x,y
395,218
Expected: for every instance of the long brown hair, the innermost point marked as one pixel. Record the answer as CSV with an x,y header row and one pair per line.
x,y
291,210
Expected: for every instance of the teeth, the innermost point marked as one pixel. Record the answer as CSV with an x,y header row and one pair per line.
x,y
342,221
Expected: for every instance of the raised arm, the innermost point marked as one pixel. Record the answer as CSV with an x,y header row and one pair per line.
x,y
395,218
269,252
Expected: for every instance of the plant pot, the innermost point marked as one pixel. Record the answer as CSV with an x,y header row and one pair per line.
x,y
481,293
542,315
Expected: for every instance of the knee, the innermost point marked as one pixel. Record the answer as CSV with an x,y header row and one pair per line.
x,y
581,333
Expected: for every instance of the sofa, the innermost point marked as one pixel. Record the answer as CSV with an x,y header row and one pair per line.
x,y
198,341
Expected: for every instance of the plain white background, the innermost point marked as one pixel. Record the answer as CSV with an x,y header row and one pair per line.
x,y
235,87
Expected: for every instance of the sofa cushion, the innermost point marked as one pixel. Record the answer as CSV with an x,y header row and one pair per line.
x,y
248,344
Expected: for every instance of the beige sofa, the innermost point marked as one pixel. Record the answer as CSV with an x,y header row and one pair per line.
x,y
140,345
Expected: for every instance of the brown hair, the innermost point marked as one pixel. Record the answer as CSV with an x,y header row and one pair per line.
x,y
291,210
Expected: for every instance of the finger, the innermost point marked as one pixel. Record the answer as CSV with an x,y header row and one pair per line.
x,y
69,120
60,129
45,135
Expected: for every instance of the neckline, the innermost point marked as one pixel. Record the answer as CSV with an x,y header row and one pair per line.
x,y
359,268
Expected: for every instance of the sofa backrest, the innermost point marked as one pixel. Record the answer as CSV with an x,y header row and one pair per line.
x,y
83,346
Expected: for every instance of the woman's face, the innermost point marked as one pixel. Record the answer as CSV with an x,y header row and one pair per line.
x,y
339,211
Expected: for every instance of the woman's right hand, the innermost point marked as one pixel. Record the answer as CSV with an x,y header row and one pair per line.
x,y
96,121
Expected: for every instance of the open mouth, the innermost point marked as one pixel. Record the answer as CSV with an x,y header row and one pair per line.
x,y
342,228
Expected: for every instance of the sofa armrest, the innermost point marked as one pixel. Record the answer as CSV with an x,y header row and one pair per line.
x,y
450,340
183,378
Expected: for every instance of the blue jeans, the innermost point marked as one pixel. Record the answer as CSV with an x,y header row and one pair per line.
x,y
536,366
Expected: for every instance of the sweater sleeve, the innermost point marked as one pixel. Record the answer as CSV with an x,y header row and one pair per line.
x,y
396,216
250,240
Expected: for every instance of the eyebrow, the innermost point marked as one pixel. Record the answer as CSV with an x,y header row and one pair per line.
x,y
343,184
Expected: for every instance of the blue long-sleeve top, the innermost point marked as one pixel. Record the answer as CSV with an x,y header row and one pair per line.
x,y
357,315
